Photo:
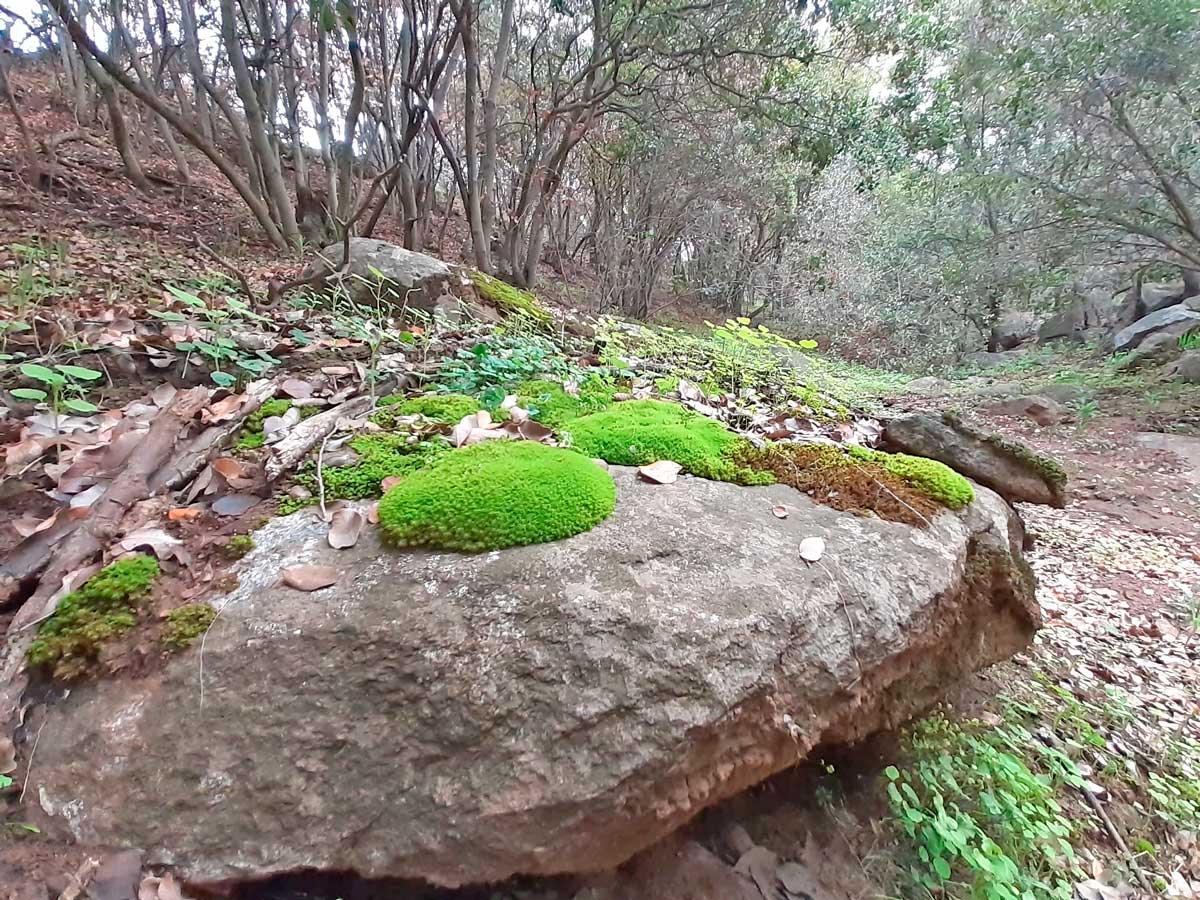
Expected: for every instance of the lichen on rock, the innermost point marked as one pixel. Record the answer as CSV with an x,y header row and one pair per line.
x,y
495,495
638,432
510,300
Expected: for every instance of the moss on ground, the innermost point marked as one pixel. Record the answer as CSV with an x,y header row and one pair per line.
x,y
237,546
638,432
103,608
251,437
445,409
380,456
498,494
511,300
549,403
834,478
185,624
932,478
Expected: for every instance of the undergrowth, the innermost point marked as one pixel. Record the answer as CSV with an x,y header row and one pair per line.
x,y
185,624
103,608
380,456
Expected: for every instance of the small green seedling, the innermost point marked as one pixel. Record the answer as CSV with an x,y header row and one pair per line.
x,y
66,387
217,346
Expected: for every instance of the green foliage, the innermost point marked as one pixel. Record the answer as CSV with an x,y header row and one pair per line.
x,y
103,608
491,368
498,494
237,546
511,300
638,432
729,359
251,436
67,386
445,409
932,478
185,624
549,402
216,345
1189,341
380,456
978,821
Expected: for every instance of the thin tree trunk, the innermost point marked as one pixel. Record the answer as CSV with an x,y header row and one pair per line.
x,y
487,166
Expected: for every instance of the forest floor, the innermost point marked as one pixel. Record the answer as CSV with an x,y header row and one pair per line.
x,y
1096,729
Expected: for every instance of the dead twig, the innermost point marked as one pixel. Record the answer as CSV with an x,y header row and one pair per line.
x,y
230,268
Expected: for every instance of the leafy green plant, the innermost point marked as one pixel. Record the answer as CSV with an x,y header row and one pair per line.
x,y
1189,341
1087,411
977,820
66,387
215,343
493,366
37,280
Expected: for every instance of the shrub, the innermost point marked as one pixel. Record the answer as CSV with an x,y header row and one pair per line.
x,y
498,494
103,608
638,432
491,368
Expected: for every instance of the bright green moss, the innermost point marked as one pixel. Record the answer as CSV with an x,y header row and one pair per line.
x,y
638,432
511,300
930,477
252,431
237,546
103,608
186,623
1047,468
549,403
446,409
498,494
380,456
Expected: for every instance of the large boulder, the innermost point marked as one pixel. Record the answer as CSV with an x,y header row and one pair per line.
x,y
542,709
409,279
1160,347
1065,325
1011,469
1013,329
1186,368
1178,318
1160,295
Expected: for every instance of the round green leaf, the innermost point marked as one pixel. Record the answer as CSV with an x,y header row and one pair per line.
x,y
74,404
29,394
892,773
224,379
40,373
941,867
80,372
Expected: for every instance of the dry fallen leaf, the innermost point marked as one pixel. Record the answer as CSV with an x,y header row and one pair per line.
x,y
28,525
462,431
163,395
812,549
662,472
222,409
309,578
297,388
373,513
781,512
164,545
229,467
390,482
118,876
344,528
8,756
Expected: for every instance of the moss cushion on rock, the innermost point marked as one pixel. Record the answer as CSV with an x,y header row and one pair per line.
x,y
638,432
498,494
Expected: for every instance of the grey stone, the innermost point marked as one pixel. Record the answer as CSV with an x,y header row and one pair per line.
x,y
1186,368
1160,347
1160,295
543,709
411,280
1040,408
1062,326
1063,394
1007,467
1013,329
1129,338
927,385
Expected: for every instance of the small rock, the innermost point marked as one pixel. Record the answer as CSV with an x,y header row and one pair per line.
x,y
1186,368
927,385
1041,409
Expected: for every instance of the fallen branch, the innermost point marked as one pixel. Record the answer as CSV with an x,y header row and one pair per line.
x,y
200,450
307,434
89,538
230,268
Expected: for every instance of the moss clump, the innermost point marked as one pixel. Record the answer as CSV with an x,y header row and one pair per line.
x,y
836,479
511,300
498,494
237,546
445,409
549,403
252,431
932,478
638,432
380,456
185,624
103,608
